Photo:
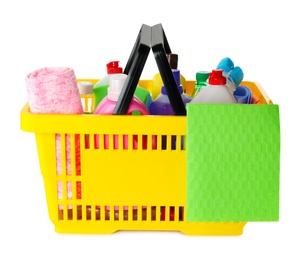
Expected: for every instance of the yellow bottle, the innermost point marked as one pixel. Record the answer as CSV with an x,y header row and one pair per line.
x,y
157,79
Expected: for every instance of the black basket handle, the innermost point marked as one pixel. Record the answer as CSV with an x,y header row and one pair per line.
x,y
149,37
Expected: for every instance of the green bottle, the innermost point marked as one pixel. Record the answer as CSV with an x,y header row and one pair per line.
x,y
201,82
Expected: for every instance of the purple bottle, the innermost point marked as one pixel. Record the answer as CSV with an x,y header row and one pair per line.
x,y
161,106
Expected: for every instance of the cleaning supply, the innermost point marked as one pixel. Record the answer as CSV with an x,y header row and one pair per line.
x,y
161,105
100,89
87,96
107,105
54,90
233,74
216,92
201,82
157,80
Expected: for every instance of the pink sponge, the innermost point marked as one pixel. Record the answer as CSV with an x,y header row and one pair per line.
x,y
54,90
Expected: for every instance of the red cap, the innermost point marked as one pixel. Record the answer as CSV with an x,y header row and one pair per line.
x,y
112,67
216,77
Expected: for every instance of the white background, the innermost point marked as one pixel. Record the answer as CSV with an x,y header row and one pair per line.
x,y
265,38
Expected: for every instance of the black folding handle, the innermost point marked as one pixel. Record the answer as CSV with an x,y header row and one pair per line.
x,y
133,69
149,37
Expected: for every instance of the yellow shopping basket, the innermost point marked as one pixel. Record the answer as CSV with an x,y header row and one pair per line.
x,y
100,189
119,189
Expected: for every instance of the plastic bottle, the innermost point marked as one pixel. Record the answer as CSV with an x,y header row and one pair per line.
x,y
201,82
234,74
216,92
107,105
87,96
157,80
161,105
101,87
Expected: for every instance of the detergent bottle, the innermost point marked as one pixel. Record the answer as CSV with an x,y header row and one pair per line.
x,y
216,92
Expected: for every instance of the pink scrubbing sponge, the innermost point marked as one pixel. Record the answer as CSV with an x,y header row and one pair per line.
x,y
54,90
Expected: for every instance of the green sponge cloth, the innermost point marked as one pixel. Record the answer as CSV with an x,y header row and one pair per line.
x,y
233,162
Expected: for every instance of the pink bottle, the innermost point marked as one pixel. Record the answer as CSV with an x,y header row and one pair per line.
x,y
108,103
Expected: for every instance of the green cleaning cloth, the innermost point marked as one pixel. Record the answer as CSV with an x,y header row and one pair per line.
x,y
233,162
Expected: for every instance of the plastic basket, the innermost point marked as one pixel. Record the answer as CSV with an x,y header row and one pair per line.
x,y
141,188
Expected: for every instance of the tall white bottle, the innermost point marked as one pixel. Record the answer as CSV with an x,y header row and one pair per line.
x,y
216,92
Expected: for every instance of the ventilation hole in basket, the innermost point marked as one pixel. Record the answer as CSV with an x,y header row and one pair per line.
x,y
135,213
173,142
116,142
106,142
70,212
153,142
126,213
144,213
87,141
125,142
107,212
183,144
162,213
181,214
59,190
135,142
116,213
68,154
78,190
69,190
58,154
172,213
145,142
97,212
164,142
153,213
79,212
77,155
96,141
60,212
88,212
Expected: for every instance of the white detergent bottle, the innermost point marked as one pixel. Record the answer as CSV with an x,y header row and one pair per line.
x,y
216,92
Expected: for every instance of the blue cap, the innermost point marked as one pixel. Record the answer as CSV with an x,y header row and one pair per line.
x,y
236,75
225,64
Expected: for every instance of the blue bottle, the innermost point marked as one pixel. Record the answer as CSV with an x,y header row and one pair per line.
x,y
161,106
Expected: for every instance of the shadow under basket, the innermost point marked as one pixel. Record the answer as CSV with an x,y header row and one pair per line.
x,y
141,179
